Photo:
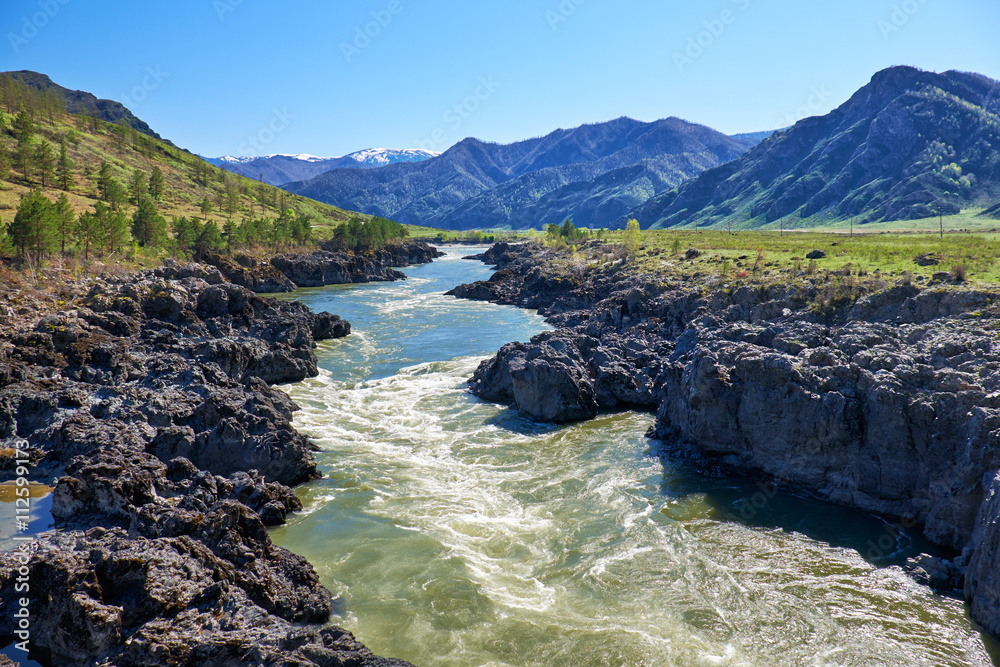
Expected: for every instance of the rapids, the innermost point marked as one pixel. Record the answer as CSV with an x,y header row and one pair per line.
x,y
454,533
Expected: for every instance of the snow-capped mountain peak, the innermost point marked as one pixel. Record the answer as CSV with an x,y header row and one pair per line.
x,y
384,156
281,168
305,157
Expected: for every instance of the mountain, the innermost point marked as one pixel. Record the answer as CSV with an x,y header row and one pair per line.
x,y
380,157
281,169
754,137
910,144
83,103
593,174
188,180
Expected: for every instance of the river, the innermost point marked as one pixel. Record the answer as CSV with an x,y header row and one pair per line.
x,y
454,533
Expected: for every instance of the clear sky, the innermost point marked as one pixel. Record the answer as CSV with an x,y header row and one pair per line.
x,y
252,77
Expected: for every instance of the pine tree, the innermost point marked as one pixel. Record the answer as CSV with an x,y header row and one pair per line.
x,y
209,238
302,229
32,231
24,131
156,183
116,194
64,169
205,206
185,232
149,228
104,180
88,232
64,221
137,186
229,231
45,161
4,163
262,194
232,192
113,227
121,131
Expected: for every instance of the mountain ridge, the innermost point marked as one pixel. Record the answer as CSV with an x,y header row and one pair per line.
x,y
82,102
280,168
909,144
476,183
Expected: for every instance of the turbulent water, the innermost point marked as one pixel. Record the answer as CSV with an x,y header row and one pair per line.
x,y
454,533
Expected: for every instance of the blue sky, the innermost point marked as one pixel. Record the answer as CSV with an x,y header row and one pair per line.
x,y
253,77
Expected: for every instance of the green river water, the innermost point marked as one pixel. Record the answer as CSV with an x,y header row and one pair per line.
x,y
454,533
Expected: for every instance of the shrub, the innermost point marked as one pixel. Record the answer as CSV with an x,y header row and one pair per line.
x,y
959,273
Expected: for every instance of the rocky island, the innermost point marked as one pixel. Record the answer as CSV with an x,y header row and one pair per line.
x,y
147,402
886,399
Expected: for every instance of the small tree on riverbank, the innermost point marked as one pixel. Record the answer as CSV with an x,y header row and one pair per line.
x,y
33,231
632,238
149,228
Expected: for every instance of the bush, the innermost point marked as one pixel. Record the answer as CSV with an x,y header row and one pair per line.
x,y
959,273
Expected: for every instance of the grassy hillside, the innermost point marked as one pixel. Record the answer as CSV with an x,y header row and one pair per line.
x,y
188,180
88,146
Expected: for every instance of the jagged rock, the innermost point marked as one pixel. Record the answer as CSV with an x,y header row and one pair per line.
x,y
982,579
329,267
246,271
566,376
148,407
891,405
937,573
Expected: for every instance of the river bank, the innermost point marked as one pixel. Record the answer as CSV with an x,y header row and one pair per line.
x,y
883,397
146,400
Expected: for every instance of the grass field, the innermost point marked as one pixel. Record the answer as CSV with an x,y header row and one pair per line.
x,y
968,220
770,255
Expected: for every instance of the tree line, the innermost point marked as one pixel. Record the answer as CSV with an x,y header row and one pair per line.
x,y
43,228
358,236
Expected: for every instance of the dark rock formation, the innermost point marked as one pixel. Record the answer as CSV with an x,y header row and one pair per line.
x,y
982,578
891,404
254,274
149,408
284,273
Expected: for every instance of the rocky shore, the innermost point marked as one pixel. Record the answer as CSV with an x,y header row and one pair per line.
x,y
284,273
147,402
887,401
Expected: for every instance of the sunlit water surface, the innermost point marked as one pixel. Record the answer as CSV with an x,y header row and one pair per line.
x,y
454,533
